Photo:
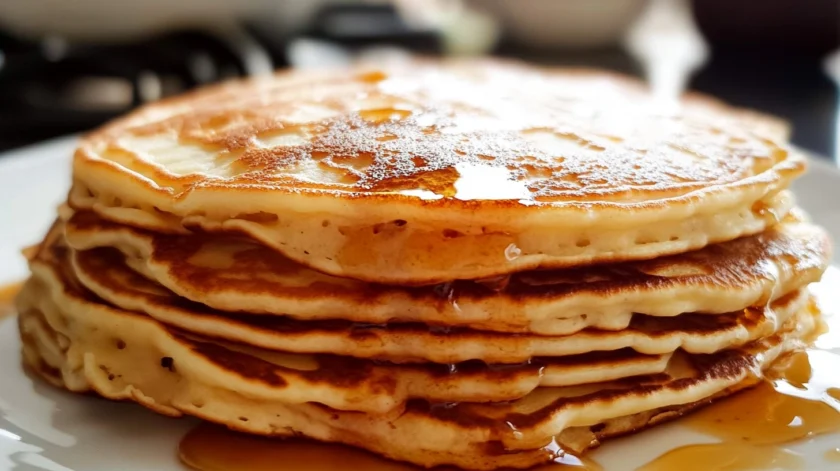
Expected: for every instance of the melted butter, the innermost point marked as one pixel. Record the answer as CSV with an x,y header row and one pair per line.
x,y
801,400
382,115
467,181
483,182
833,455
7,297
420,193
213,448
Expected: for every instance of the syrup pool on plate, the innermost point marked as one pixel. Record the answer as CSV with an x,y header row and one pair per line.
x,y
7,297
755,425
213,448
798,399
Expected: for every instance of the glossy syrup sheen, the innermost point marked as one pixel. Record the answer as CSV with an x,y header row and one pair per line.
x,y
802,401
799,399
7,297
526,133
213,448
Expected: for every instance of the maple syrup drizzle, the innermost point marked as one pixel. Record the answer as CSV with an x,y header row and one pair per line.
x,y
213,448
7,297
726,456
801,399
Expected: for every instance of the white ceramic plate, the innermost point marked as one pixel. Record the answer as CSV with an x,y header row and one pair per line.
x,y
42,428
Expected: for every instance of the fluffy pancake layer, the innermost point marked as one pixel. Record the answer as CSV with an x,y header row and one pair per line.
x,y
88,322
441,171
238,275
248,391
695,333
370,386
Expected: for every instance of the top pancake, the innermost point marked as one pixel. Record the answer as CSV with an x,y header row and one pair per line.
x,y
440,171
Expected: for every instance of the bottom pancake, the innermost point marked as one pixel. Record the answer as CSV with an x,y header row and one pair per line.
x,y
519,433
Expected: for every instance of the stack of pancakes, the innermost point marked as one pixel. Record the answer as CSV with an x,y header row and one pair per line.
x,y
471,263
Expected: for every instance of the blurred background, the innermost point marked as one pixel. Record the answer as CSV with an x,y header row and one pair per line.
x,y
67,66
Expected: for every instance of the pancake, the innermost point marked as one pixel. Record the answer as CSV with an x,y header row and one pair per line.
x,y
102,271
104,335
437,171
471,263
236,274
519,433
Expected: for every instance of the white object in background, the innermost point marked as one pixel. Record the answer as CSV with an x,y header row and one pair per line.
x,y
571,24
255,59
464,31
670,47
305,53
831,65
